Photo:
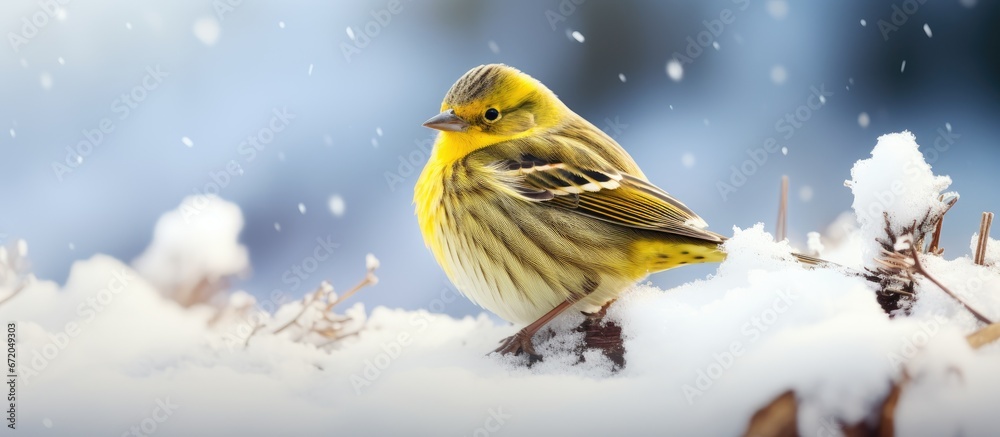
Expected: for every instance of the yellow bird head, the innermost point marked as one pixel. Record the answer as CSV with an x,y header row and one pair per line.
x,y
493,103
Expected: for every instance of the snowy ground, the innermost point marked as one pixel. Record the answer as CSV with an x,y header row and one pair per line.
x,y
113,353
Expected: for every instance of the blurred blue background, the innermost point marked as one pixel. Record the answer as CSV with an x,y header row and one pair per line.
x,y
226,66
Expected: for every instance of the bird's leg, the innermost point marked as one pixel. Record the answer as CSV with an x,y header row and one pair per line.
x,y
521,342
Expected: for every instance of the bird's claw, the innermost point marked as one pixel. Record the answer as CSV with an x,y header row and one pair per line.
x,y
517,344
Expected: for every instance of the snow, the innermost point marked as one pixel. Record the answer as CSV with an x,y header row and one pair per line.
x,y
688,160
863,119
777,8
46,80
778,74
675,70
336,205
702,358
806,193
371,262
207,30
195,244
897,182
842,243
814,242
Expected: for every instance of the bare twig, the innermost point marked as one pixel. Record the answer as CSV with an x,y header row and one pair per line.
x,y
20,287
315,322
256,327
936,237
919,268
306,304
370,279
984,238
782,226
336,339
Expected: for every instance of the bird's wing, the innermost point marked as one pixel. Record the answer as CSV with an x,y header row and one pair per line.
x,y
597,190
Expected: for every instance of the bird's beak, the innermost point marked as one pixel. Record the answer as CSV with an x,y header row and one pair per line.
x,y
447,121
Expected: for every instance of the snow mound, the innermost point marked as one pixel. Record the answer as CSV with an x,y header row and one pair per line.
x,y
716,348
193,247
897,185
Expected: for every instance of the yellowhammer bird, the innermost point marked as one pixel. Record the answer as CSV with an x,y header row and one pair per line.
x,y
530,209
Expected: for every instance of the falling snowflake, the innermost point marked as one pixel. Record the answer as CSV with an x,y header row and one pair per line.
x,y
687,160
675,70
778,74
46,80
777,8
207,30
806,193
336,205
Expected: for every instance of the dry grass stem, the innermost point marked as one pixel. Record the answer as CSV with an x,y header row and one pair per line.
x,y
329,324
984,336
936,237
782,226
919,268
984,238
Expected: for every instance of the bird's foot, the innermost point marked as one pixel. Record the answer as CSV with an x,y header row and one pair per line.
x,y
517,344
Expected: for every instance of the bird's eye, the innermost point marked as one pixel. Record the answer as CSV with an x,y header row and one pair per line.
x,y
492,114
